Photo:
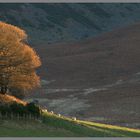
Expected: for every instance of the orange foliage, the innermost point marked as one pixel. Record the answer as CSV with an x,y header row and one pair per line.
x,y
18,61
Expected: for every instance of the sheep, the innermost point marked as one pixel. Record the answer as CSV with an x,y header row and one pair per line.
x,y
44,110
51,112
74,118
59,115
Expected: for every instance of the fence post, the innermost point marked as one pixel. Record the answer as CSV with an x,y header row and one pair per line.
x,y
30,117
11,115
27,116
17,116
24,116
6,115
0,115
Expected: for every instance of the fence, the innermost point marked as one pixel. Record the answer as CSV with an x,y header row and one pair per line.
x,y
12,116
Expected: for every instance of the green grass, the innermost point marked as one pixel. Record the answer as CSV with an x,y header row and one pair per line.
x,y
54,126
23,128
90,129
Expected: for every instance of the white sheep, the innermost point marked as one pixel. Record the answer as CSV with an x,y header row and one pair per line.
x,y
52,112
45,110
74,118
59,115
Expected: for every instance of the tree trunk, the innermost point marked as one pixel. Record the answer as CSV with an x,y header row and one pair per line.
x,y
3,90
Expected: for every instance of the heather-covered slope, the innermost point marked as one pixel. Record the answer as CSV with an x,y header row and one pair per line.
x,y
97,79
70,21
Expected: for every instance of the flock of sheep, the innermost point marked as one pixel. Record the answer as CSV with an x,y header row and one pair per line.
x,y
59,115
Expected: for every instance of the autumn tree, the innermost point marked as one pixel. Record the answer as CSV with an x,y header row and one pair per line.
x,y
18,61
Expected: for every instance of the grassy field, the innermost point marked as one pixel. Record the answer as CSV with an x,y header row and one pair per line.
x,y
54,126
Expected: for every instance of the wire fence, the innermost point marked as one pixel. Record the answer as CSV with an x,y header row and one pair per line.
x,y
12,116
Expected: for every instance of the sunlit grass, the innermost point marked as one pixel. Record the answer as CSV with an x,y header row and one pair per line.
x,y
109,126
98,124
52,125
92,128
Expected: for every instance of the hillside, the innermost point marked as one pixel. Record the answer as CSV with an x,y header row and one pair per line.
x,y
54,126
49,23
90,58
97,79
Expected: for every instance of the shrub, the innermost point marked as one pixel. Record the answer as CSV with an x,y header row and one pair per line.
x,y
33,109
18,108
4,109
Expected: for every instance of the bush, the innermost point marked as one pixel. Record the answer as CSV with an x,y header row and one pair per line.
x,y
33,109
4,109
20,109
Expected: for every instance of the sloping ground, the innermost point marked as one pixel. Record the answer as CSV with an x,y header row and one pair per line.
x,y
54,126
7,99
90,66
98,61
68,21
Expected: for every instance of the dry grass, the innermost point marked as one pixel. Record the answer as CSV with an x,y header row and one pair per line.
x,y
4,99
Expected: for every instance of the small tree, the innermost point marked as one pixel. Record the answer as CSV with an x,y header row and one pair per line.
x,y
18,61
